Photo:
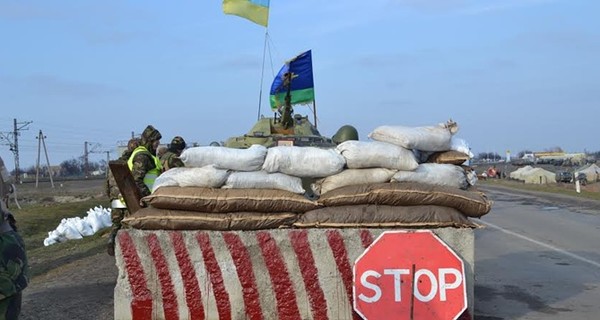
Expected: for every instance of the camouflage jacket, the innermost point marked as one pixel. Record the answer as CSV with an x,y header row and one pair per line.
x,y
170,160
14,269
142,163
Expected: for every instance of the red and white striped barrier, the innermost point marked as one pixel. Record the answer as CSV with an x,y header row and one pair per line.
x,y
269,274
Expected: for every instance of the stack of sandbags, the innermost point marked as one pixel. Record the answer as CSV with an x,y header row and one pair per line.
x,y
407,177
440,154
191,208
414,205
217,192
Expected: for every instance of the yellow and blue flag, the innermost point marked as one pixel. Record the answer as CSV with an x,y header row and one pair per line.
x,y
302,86
256,11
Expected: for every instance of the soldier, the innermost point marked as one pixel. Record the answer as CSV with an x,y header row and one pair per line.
x,y
144,165
170,159
14,274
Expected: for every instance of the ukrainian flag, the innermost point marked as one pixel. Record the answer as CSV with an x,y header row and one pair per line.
x,y
254,10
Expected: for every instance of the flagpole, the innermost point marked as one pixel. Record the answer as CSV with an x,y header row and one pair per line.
x,y
262,73
315,111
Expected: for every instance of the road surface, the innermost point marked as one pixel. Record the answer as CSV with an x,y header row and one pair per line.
x,y
538,258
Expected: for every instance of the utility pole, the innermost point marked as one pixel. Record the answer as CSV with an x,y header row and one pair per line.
x,y
85,160
41,141
12,139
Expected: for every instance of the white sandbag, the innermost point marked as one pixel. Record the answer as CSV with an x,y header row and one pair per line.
x,y
207,176
54,237
67,229
427,138
352,177
375,154
250,159
104,215
304,162
83,227
461,145
434,173
263,180
94,220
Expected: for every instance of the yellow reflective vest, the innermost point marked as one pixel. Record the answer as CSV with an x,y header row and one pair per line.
x,y
152,174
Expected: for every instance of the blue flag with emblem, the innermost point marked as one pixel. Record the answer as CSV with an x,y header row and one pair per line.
x,y
302,86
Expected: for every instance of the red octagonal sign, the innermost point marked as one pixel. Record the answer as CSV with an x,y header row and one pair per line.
x,y
409,275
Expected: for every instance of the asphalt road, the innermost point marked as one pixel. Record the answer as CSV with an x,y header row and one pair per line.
x,y
538,258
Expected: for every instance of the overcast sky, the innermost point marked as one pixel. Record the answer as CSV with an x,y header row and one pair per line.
x,y
514,74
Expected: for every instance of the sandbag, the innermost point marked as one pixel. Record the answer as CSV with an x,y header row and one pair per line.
x,y
448,157
250,159
434,173
470,203
375,154
228,200
263,180
162,219
376,216
350,177
304,162
207,177
427,138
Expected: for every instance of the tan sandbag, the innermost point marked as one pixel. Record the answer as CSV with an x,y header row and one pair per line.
x,y
375,216
150,218
470,203
448,157
228,200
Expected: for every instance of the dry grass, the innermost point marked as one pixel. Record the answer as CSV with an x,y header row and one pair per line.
x,y
43,208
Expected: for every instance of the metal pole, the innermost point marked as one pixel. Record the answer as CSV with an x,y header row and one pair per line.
x,y
47,160
37,164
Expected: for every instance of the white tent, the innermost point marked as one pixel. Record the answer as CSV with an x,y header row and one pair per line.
x,y
591,171
539,176
518,174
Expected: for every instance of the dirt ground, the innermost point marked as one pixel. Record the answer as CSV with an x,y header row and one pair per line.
x,y
79,288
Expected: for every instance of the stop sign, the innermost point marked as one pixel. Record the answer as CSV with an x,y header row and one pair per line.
x,y
409,275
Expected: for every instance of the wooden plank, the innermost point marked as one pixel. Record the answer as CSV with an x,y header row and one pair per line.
x,y
126,184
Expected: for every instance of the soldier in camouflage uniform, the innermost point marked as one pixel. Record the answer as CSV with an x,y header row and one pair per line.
x,y
170,159
143,163
14,269
117,214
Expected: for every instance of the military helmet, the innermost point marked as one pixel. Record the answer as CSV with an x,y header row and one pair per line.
x,y
345,133
178,143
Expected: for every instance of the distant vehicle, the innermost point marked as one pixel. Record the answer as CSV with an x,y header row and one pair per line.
x,y
564,176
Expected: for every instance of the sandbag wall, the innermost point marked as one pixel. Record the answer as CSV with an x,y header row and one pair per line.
x,y
406,177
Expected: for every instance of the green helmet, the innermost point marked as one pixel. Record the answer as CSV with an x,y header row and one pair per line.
x,y
345,133
178,143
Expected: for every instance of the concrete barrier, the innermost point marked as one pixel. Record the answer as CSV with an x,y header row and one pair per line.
x,y
269,274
